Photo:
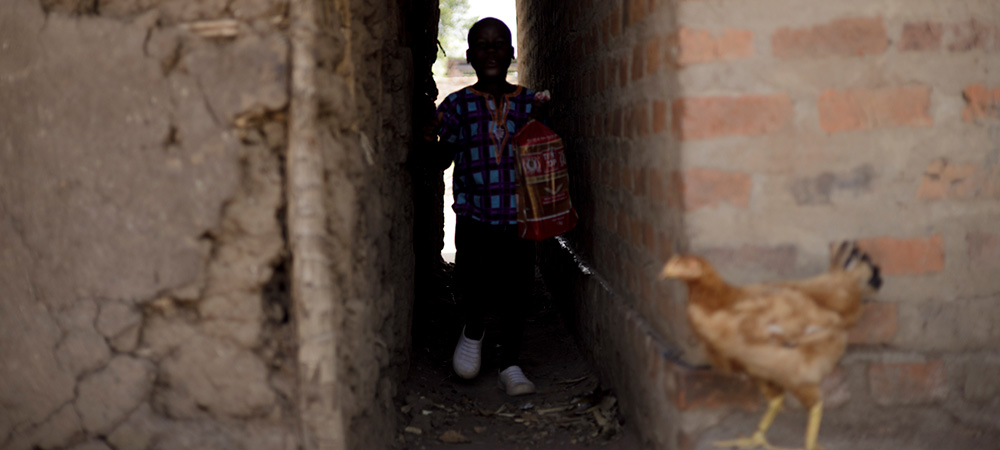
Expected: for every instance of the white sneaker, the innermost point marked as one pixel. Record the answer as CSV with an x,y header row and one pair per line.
x,y
513,381
468,356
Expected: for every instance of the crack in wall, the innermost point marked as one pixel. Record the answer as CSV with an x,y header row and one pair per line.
x,y
180,309
14,224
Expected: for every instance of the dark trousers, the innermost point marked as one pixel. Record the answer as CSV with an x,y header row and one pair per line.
x,y
494,275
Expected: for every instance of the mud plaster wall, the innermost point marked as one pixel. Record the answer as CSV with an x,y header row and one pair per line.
x,y
145,248
362,131
141,247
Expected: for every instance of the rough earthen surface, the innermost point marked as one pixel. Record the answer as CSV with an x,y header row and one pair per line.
x,y
140,188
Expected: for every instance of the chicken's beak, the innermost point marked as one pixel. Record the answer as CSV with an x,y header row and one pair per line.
x,y
681,267
670,269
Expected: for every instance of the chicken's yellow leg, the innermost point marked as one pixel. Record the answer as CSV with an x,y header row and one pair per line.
x,y
757,439
812,429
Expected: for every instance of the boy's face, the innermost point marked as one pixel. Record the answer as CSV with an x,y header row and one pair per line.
x,y
490,51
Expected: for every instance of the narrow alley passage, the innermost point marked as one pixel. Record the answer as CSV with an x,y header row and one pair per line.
x,y
437,409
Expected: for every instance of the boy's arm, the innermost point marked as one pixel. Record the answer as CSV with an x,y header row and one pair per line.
x,y
442,153
446,152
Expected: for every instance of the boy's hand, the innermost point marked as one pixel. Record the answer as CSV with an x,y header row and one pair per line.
x,y
540,105
429,133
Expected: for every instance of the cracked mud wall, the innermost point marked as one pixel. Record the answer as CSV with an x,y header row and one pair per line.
x,y
364,91
141,226
149,247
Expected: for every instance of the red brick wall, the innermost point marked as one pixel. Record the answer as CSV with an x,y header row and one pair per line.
x,y
756,137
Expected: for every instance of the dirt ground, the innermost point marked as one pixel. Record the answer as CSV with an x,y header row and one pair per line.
x,y
437,409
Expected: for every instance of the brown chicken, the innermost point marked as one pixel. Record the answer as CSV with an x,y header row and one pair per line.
x,y
785,335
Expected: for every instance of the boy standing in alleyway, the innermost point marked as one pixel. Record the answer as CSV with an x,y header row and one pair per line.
x,y
494,267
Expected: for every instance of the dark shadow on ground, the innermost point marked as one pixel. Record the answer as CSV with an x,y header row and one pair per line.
x,y
437,409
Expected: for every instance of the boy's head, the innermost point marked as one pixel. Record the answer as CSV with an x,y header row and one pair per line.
x,y
490,51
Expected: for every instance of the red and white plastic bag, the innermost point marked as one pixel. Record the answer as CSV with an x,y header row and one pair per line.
x,y
544,208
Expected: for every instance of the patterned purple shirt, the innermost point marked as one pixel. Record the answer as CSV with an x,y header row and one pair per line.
x,y
484,183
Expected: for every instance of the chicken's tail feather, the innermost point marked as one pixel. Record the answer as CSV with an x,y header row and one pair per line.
x,y
875,281
849,258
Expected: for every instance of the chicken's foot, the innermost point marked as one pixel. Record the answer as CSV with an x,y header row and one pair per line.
x,y
812,429
757,440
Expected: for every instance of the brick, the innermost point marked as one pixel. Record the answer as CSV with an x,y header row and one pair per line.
x,y
635,233
636,10
712,117
640,175
836,388
691,46
943,180
673,312
616,22
863,109
735,44
984,250
652,56
628,127
626,178
973,35
605,31
878,324
982,381
613,179
665,247
659,116
704,389
640,119
688,440
648,237
602,81
906,256
616,122
657,192
921,36
646,290
907,383
623,71
612,72
703,188
981,103
638,61
856,36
